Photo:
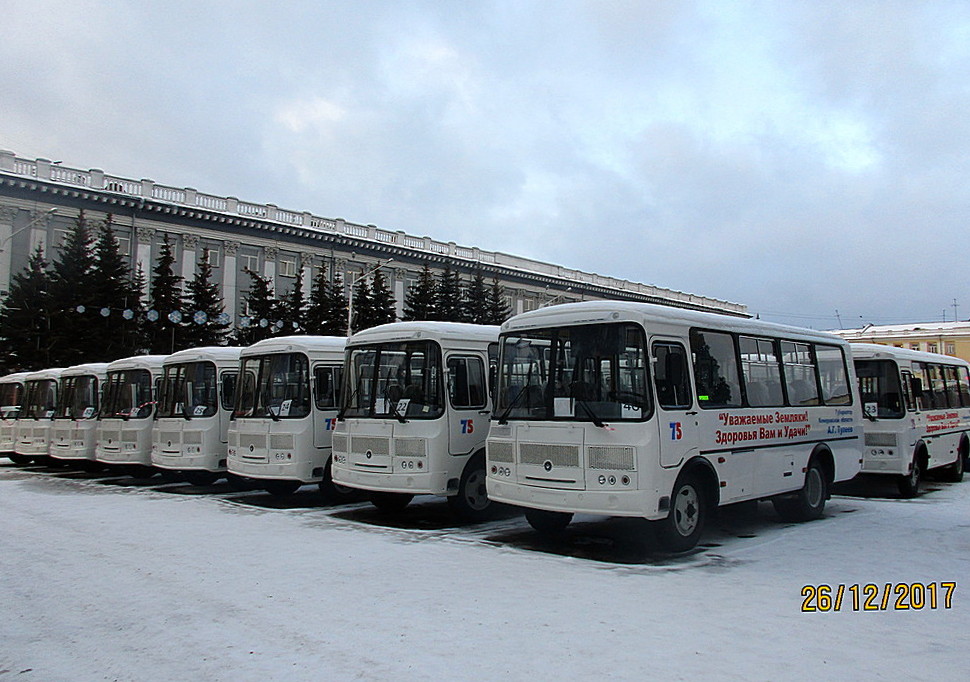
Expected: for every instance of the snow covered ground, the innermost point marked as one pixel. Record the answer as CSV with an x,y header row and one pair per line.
x,y
122,579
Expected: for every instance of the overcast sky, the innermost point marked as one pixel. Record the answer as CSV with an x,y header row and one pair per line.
x,y
801,158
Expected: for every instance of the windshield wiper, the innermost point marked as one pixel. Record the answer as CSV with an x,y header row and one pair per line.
x,y
504,418
393,406
590,413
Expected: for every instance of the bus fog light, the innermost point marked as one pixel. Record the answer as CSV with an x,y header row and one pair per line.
x,y
612,480
625,480
494,469
420,464
602,479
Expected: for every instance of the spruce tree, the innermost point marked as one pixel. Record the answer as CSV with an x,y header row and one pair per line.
x,y
166,302
419,302
363,312
382,302
498,310
293,308
73,299
24,318
261,321
114,288
204,307
448,298
327,307
476,300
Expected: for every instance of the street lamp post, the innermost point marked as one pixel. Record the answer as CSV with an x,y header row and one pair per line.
x,y
353,284
49,212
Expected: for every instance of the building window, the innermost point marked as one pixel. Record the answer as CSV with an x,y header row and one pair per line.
x,y
914,346
931,348
287,267
124,245
951,349
249,261
60,237
215,259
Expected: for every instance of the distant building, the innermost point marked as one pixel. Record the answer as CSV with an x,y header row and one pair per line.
x,y
946,338
40,199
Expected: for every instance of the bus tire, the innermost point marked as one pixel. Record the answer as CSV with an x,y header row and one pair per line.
x,y
282,488
20,460
548,522
807,503
391,503
201,477
471,504
954,472
908,484
334,493
684,525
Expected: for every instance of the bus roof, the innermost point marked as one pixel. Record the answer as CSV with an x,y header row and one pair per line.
x,y
223,354
589,312
438,331
41,374
93,368
875,351
14,378
151,362
299,342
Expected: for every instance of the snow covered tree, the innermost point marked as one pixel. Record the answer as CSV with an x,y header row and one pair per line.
x,y
115,289
362,312
72,298
383,304
476,300
419,302
204,307
261,307
293,308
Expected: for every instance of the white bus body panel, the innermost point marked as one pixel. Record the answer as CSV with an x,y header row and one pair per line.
x,y
420,456
32,434
8,414
629,468
288,449
199,443
73,438
129,441
890,444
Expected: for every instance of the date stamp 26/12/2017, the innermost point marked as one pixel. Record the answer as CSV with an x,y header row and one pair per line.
x,y
882,597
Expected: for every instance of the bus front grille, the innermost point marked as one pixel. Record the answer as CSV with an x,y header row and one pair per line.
x,y
537,454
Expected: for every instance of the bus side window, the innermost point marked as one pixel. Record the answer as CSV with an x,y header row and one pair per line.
x,y
466,382
715,369
908,391
833,376
671,376
229,390
963,382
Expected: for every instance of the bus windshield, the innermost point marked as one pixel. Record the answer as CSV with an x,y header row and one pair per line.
x,y
879,388
276,386
578,373
128,394
79,398
399,380
40,399
10,397
188,390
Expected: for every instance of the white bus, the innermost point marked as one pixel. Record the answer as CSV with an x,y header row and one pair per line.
x,y
124,431
76,416
639,410
414,414
195,402
917,411
32,431
286,404
11,399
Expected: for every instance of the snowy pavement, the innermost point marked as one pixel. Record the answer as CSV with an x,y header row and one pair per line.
x,y
123,579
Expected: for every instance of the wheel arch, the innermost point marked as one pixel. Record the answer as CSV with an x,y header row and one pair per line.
x,y
704,471
823,455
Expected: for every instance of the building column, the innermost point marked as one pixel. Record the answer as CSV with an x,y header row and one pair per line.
x,y
400,290
7,216
144,237
269,265
229,272
189,244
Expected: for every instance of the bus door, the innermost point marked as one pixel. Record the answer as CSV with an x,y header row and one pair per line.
x,y
676,414
467,383
326,401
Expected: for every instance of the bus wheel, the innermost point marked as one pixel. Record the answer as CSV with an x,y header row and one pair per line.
x,y
954,472
390,503
334,493
684,524
201,478
908,484
808,503
22,460
548,522
471,503
281,488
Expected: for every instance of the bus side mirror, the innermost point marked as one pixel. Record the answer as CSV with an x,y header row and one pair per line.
x,y
916,385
